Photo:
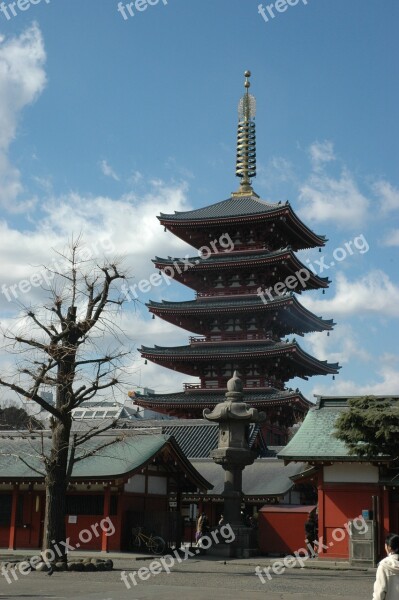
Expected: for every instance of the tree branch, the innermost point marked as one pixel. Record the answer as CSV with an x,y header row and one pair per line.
x,y
45,405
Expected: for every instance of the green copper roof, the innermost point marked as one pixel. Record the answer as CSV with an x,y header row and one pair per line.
x,y
119,458
314,438
314,441
20,456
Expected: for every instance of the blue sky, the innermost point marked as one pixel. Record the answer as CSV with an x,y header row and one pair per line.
x,y
106,121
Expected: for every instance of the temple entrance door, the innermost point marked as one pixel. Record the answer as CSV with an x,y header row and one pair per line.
x,y
394,511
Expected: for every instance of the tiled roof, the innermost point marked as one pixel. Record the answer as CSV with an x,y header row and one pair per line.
x,y
222,257
195,441
196,437
315,440
192,399
223,351
228,302
226,208
265,477
216,349
122,457
286,303
284,258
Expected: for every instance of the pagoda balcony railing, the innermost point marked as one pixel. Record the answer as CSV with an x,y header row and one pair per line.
x,y
192,386
239,248
232,337
221,385
227,292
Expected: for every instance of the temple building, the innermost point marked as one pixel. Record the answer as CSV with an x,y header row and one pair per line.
x,y
246,278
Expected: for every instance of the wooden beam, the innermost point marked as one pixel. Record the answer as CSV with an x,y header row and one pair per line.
x,y
107,510
13,524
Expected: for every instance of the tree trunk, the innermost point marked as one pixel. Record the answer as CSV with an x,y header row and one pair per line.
x,y
56,487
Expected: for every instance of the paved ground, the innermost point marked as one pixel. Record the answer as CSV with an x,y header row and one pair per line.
x,y
198,578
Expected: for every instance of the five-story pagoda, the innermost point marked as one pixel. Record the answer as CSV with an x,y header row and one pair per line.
x,y
246,277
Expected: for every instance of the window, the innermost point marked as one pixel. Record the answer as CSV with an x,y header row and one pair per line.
x,y
234,281
215,325
5,509
111,413
233,325
90,504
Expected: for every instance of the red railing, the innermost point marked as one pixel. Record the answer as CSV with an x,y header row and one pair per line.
x,y
226,337
227,292
221,385
238,248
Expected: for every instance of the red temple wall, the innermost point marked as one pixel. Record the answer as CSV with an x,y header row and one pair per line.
x,y
282,528
340,502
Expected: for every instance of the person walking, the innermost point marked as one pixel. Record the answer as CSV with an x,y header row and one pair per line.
x,y
386,586
201,526
311,534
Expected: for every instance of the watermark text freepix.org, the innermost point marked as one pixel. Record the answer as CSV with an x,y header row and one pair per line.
x,y
9,10
271,10
303,554
49,556
224,244
303,275
130,9
46,275
167,562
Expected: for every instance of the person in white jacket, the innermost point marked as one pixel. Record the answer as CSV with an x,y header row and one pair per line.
x,y
386,586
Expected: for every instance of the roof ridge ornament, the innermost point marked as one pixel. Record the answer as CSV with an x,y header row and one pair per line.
x,y
246,141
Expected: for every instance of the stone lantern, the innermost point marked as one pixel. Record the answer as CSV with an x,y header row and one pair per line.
x,y
233,454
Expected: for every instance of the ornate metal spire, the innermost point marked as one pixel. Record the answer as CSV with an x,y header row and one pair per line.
x,y
246,140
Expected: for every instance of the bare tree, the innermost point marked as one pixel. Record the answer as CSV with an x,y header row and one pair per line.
x,y
59,345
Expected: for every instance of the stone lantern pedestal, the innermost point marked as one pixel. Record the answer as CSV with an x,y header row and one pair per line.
x,y
233,454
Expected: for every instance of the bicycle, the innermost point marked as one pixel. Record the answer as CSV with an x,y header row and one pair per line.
x,y
154,543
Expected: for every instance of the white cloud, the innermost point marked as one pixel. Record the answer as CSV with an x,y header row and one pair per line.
x,y
22,79
135,178
388,196
325,198
321,153
277,171
391,238
373,293
126,226
388,384
108,171
342,345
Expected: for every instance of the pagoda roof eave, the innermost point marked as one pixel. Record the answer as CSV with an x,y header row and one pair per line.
x,y
221,352
246,209
228,306
233,260
206,398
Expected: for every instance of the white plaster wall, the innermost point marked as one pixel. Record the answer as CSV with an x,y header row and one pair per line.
x,y
136,484
351,473
157,485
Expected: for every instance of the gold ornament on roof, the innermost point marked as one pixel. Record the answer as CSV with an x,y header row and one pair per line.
x,y
246,140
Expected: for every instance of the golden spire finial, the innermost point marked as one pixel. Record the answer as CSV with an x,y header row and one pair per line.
x,y
246,140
